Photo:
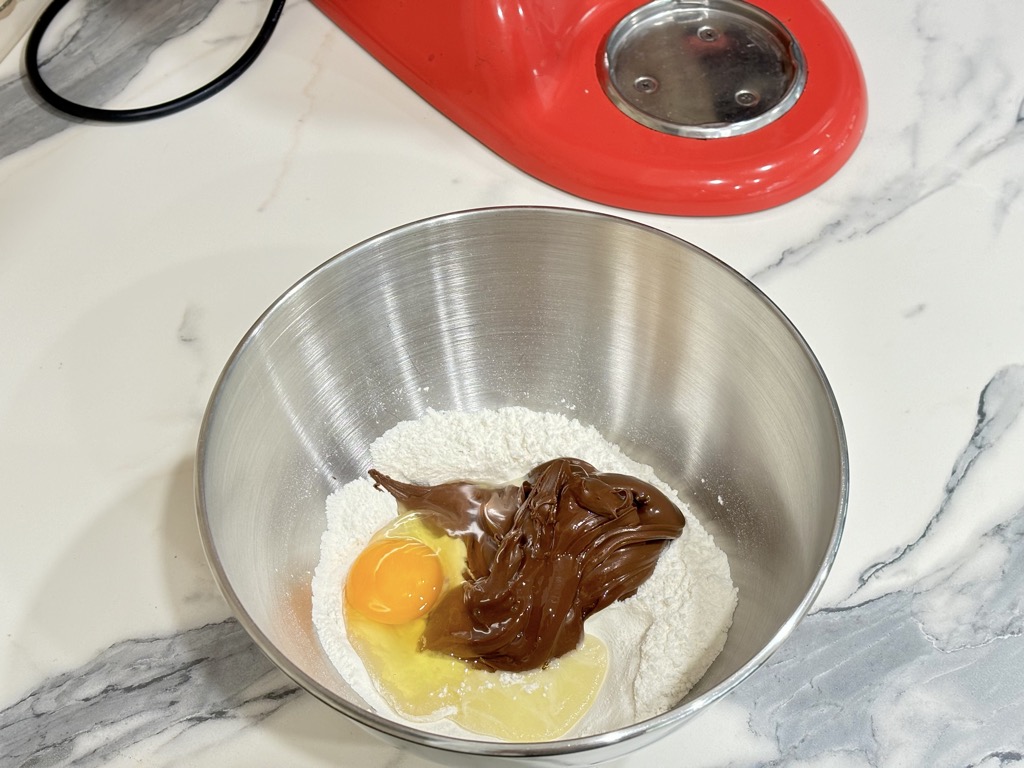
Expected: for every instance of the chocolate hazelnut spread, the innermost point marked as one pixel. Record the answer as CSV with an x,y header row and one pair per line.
x,y
541,557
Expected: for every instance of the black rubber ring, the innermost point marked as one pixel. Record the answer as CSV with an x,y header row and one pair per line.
x,y
85,112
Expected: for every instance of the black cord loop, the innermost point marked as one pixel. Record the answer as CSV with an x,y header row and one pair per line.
x,y
85,112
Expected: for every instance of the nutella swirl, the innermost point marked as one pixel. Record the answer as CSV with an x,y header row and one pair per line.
x,y
541,557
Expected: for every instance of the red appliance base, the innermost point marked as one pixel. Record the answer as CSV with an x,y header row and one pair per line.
x,y
522,77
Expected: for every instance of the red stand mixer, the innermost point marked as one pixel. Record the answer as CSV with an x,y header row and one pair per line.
x,y
681,107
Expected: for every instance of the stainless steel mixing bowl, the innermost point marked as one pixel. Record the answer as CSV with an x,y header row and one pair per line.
x,y
666,350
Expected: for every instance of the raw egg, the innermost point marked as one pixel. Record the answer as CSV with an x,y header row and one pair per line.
x,y
395,580
391,587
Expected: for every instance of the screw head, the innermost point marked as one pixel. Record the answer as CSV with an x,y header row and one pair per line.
x,y
708,34
646,84
747,98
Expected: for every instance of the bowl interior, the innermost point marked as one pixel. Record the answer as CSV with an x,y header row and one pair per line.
x,y
668,352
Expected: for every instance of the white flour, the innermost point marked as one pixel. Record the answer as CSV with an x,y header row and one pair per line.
x,y
660,642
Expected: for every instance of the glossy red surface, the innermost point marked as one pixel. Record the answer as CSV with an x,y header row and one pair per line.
x,y
522,77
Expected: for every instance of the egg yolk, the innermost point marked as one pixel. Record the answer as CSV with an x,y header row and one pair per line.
x,y
395,580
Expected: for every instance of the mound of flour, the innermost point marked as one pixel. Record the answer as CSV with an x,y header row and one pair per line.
x,y
660,642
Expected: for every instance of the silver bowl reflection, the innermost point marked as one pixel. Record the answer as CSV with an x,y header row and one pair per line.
x,y
667,351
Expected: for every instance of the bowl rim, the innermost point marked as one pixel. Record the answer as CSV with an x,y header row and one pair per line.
x,y
666,721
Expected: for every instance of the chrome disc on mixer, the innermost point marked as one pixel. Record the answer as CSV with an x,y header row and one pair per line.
x,y
702,68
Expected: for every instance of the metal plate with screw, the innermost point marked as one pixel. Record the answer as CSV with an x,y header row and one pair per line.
x,y
702,68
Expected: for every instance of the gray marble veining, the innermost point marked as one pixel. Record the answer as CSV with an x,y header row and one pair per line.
x,y
908,677
93,59
999,408
139,689
967,107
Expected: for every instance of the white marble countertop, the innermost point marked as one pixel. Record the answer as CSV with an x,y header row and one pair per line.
x,y
133,258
